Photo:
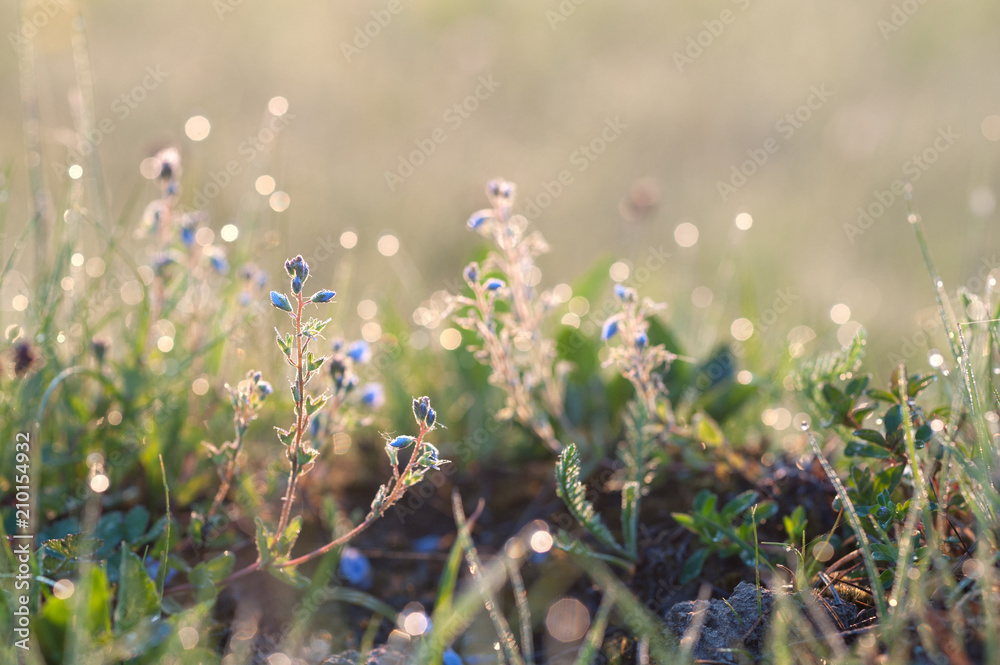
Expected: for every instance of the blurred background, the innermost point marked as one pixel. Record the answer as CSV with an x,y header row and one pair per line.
x,y
632,130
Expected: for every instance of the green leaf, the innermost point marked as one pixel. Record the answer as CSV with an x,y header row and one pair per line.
x,y
207,574
862,449
708,432
572,492
870,436
263,540
693,565
882,395
137,595
95,602
686,520
739,504
918,384
290,575
705,502
893,419
287,540
136,522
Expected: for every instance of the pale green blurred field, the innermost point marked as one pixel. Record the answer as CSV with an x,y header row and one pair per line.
x,y
559,82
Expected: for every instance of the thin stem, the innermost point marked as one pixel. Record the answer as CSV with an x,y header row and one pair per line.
x,y
397,493
299,410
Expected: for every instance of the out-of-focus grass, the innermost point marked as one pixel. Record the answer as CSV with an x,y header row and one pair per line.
x,y
559,82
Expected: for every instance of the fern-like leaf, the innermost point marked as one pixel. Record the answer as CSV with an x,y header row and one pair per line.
x,y
574,495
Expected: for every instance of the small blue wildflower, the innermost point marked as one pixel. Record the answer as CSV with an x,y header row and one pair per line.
x,y
219,262
641,340
493,187
265,388
402,441
609,329
324,295
373,395
187,235
356,568
280,300
621,291
494,284
506,189
359,351
452,658
471,273
296,285
427,544
431,417
479,218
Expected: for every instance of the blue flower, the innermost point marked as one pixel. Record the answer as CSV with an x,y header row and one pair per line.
x,y
479,218
219,262
187,235
296,285
452,658
641,340
427,544
373,395
402,441
356,568
471,273
431,417
620,291
265,388
324,295
609,329
280,300
359,351
494,284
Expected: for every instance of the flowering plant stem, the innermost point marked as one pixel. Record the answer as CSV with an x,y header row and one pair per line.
x,y
300,382
398,489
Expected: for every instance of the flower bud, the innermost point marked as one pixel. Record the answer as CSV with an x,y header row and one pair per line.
x,y
296,285
641,340
479,218
431,417
494,284
402,441
324,295
280,300
609,329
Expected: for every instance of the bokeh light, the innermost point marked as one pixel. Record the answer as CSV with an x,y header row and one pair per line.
x,y
197,128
